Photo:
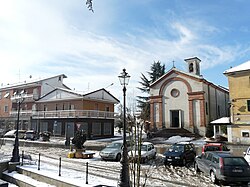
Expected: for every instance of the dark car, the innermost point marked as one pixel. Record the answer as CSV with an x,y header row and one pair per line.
x,y
180,153
223,167
214,146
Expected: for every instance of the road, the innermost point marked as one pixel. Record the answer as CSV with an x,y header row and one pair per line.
x,y
154,173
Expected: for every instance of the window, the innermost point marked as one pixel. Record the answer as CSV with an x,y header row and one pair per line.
x,y
209,157
216,160
107,108
84,127
96,128
107,129
71,107
57,128
248,105
206,109
245,134
43,126
96,106
175,92
6,108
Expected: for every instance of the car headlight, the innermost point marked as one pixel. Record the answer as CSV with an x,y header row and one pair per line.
x,y
177,157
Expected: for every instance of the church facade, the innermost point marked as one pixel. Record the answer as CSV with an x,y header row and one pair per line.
x,y
186,100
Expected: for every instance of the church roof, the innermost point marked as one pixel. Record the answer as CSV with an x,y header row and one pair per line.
x,y
199,78
173,70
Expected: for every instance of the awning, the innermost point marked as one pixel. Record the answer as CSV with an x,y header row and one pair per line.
x,y
221,121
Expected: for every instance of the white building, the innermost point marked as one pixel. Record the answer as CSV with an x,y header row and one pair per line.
x,y
186,100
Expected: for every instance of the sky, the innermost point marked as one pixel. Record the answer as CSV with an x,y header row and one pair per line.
x,y
45,38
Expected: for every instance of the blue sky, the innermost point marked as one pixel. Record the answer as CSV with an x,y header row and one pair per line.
x,y
49,37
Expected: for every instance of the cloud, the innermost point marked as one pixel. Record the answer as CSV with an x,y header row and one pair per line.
x,y
43,38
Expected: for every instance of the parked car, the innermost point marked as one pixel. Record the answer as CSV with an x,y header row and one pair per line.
x,y
12,134
247,155
223,167
31,135
148,152
180,154
214,146
113,151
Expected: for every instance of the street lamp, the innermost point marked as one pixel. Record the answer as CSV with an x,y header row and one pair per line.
x,y
19,98
124,176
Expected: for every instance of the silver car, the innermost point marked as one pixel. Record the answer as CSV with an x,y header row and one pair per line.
x,y
112,151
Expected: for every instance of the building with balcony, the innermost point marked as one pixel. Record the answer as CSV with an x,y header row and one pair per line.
x,y
52,106
239,89
184,99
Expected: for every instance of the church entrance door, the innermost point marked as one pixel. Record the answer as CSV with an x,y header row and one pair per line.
x,y
175,118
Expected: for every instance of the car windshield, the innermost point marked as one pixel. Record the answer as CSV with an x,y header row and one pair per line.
x,y
235,161
176,148
114,145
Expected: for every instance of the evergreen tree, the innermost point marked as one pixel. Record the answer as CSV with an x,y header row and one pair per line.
x,y
156,71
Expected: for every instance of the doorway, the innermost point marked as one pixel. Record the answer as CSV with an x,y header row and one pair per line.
x,y
175,118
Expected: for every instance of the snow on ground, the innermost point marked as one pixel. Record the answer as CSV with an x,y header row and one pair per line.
x,y
69,175
73,170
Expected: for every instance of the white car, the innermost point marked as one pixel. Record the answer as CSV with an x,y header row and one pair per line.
x,y
247,155
148,152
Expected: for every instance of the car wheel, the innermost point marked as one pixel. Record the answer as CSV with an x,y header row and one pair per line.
x,y
145,160
184,162
213,177
118,157
154,157
196,168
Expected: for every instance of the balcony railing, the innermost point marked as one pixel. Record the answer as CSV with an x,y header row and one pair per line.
x,y
65,114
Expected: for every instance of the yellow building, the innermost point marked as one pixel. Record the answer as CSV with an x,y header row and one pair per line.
x,y
239,93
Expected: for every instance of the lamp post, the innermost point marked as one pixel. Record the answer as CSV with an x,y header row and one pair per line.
x,y
19,98
124,176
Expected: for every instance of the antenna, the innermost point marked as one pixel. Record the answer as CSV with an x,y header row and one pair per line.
x,y
109,85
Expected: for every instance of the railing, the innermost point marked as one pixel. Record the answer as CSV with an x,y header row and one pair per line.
x,y
65,114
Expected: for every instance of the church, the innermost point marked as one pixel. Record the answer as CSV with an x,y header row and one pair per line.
x,y
184,99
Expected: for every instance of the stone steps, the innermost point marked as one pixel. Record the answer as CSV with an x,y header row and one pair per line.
x,y
166,133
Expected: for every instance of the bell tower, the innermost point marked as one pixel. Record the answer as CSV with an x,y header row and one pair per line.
x,y
193,65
